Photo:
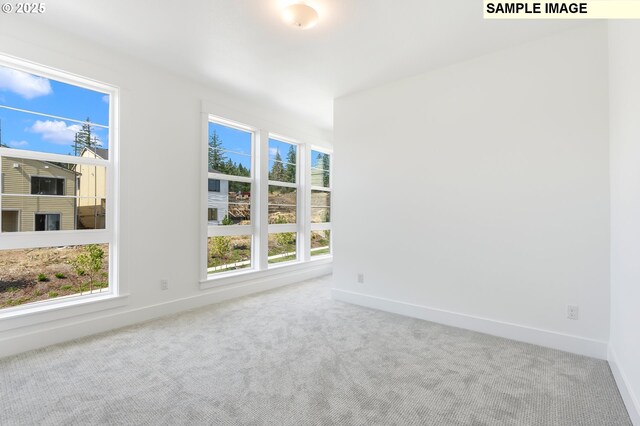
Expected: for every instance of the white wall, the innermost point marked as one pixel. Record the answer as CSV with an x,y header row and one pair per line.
x,y
160,130
496,170
624,355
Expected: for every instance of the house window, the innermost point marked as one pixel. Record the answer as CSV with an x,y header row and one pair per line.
x,y
214,185
47,186
320,204
229,197
58,174
47,222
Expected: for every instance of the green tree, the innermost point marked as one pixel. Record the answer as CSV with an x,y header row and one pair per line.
x,y
216,153
220,250
285,241
290,169
242,170
84,138
89,264
230,167
277,171
323,163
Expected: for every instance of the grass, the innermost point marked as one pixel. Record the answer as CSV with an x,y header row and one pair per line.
x,y
320,252
42,278
60,275
283,259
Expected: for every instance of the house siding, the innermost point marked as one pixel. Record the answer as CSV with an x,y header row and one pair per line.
x,y
17,180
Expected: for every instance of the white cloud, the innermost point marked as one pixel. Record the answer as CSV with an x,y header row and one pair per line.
x,y
17,144
105,99
273,151
56,131
26,85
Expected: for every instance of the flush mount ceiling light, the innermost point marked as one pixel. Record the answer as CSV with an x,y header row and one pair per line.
x,y
300,16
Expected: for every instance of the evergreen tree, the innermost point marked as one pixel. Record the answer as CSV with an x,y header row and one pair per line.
x,y
230,167
242,170
277,171
216,153
85,139
290,169
323,163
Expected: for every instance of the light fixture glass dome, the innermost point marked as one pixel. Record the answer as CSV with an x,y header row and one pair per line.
x,y
300,16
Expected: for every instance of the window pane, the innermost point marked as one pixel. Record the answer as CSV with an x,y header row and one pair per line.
x,y
34,93
320,163
282,161
228,253
229,150
214,185
282,204
31,275
320,198
282,247
320,214
232,203
33,191
21,130
52,213
320,243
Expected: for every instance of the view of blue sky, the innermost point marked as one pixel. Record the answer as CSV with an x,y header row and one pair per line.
x,y
276,146
236,144
315,157
33,93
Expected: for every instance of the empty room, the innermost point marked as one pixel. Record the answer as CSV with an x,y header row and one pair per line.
x,y
319,212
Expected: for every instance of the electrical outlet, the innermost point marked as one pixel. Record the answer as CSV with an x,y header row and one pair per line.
x,y
573,312
164,284
361,278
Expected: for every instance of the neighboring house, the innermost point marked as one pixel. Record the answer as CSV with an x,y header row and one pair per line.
x,y
37,196
92,190
218,199
318,172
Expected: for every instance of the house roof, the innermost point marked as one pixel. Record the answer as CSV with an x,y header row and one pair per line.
x,y
100,152
214,170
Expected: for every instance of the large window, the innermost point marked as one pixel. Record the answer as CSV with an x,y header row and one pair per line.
x,y
268,200
229,197
283,201
320,203
56,156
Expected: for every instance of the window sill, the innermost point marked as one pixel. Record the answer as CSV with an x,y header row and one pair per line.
x,y
39,312
250,275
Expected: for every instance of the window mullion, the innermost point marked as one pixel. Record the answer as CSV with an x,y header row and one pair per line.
x,y
263,202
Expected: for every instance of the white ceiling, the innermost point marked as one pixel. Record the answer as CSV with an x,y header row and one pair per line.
x,y
244,46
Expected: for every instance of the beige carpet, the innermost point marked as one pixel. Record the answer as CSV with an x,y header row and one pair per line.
x,y
295,357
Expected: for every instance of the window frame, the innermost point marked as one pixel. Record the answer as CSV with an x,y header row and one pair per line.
x,y
262,270
229,230
43,239
323,226
287,227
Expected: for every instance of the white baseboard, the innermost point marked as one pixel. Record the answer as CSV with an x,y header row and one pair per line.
x,y
546,338
46,336
628,396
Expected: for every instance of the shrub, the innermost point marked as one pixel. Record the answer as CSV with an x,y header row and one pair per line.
x,y
89,263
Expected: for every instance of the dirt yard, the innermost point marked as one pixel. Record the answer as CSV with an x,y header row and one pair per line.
x,y
30,275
